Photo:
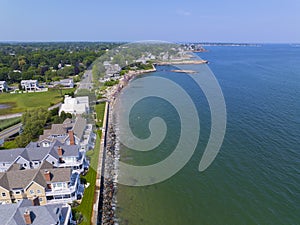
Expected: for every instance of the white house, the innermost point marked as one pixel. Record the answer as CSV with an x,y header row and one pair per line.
x,y
78,105
3,86
30,85
68,83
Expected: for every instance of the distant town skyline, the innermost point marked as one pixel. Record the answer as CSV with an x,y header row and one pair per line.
x,y
176,21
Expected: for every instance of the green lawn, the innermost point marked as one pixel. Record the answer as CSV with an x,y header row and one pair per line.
x,y
86,206
100,113
8,123
22,102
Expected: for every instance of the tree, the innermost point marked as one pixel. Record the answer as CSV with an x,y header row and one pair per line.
x,y
59,88
15,77
33,125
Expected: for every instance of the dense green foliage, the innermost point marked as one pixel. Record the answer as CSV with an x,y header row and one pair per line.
x,y
34,122
138,66
47,61
33,125
111,83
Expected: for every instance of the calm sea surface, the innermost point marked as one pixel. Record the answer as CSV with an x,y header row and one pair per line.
x,y
255,179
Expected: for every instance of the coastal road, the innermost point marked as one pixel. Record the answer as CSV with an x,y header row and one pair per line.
x,y
10,131
87,81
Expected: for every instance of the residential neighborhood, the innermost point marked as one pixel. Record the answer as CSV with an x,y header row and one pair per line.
x,y
49,168
47,171
35,86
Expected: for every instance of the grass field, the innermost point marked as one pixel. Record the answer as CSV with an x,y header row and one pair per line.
x,y
22,102
8,123
100,113
86,206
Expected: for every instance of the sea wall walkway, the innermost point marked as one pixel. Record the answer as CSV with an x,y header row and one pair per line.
x,y
100,169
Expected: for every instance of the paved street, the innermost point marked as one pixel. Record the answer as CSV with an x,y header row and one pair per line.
x,y
10,131
87,81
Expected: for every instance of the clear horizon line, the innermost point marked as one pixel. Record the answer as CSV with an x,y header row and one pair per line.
x,y
130,41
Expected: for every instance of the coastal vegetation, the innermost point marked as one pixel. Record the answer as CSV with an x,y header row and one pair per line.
x,y
111,83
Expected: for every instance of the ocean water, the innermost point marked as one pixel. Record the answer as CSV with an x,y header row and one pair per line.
x,y
255,179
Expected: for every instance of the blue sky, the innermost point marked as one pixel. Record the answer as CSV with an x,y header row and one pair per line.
x,y
271,21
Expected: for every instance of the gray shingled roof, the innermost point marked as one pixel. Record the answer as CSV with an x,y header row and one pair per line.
x,y
60,174
33,154
22,178
79,127
13,214
3,181
68,150
56,129
10,155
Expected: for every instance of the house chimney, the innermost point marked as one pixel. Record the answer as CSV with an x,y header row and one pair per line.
x,y
61,160
47,175
27,217
71,136
35,201
60,151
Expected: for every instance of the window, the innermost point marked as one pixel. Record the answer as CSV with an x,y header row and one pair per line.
x,y
17,192
41,199
3,194
38,191
31,192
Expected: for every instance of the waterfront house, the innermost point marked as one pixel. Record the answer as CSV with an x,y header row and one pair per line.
x,y
8,157
3,86
70,132
75,106
31,212
57,154
30,85
50,185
